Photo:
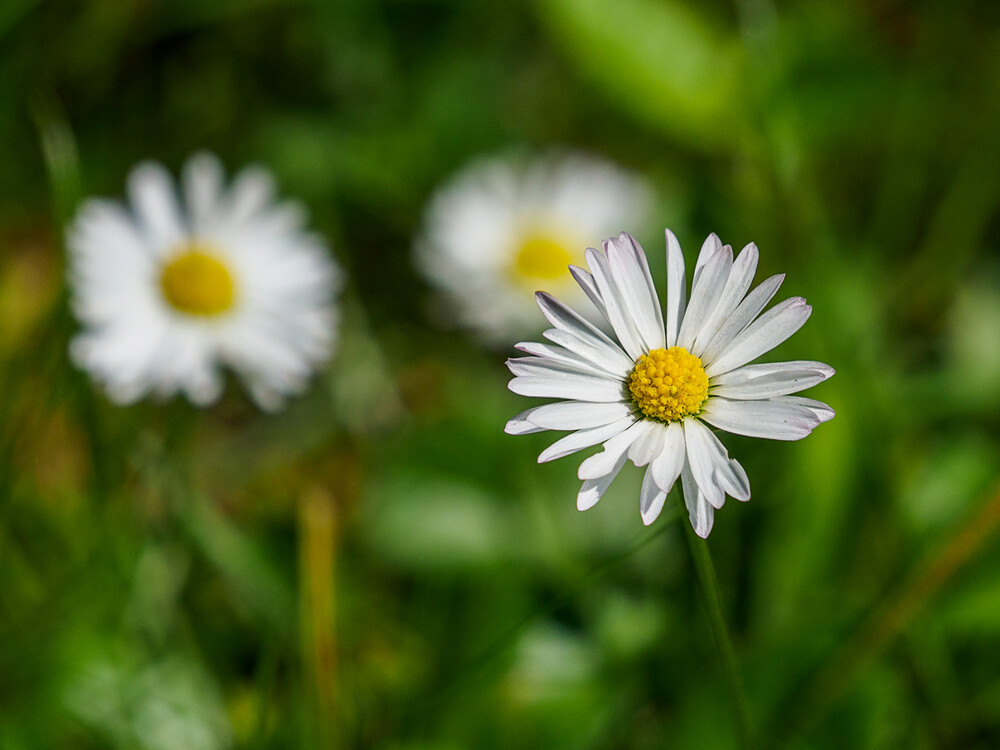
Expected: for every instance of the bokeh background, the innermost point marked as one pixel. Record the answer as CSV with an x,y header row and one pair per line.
x,y
379,565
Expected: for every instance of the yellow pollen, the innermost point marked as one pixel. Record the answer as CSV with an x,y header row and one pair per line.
x,y
668,384
541,257
196,282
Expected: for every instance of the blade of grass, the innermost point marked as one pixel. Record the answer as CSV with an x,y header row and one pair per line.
x,y
62,166
240,559
512,634
266,678
62,162
890,618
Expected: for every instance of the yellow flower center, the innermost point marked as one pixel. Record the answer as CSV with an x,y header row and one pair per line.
x,y
196,282
541,257
668,384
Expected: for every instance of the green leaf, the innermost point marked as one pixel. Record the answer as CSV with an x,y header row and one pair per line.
x,y
662,61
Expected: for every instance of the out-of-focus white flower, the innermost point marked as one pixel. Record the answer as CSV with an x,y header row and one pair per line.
x,y
170,291
648,393
506,226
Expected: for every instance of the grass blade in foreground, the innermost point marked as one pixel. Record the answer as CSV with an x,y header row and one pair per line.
x,y
887,621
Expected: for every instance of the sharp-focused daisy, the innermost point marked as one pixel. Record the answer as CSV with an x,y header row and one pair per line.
x,y
504,227
648,393
171,291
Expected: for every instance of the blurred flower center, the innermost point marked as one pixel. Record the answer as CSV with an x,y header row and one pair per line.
x,y
196,282
668,384
541,257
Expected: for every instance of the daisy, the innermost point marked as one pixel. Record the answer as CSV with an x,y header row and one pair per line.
x,y
171,289
650,393
503,227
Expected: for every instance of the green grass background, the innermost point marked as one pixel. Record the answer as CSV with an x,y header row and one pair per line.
x,y
380,565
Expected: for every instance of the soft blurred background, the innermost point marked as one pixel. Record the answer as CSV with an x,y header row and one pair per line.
x,y
379,565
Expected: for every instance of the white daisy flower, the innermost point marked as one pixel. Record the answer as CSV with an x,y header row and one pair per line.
x,y
649,393
171,291
504,227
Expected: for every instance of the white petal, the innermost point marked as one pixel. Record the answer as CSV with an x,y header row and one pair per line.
x,y
579,387
703,460
764,419
750,373
742,316
103,234
543,368
252,190
728,474
609,358
519,424
705,294
734,480
771,379
577,441
676,288
154,201
567,320
202,178
564,355
648,445
615,449
586,281
576,415
651,499
740,278
667,466
700,511
709,247
594,489
765,333
617,310
631,271
822,411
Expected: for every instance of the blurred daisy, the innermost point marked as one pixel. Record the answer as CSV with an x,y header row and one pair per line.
x,y
170,291
648,393
504,227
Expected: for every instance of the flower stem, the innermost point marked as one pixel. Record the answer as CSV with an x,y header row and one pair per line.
x,y
720,634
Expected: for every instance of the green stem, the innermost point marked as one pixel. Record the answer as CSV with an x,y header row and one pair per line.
x,y
720,634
